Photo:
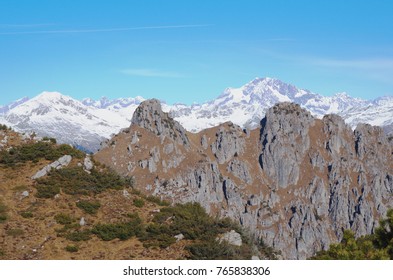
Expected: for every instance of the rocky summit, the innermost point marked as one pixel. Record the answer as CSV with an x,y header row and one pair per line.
x,y
295,182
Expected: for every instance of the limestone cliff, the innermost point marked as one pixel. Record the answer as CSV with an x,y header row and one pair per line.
x,y
296,182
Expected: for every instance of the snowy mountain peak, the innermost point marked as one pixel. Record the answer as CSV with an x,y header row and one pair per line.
x,y
384,100
50,96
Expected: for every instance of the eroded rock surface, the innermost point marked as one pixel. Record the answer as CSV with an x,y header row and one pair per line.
x,y
296,182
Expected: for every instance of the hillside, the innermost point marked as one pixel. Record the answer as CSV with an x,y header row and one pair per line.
x,y
295,181
79,209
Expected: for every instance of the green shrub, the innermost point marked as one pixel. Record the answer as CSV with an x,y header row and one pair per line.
x,y
138,202
15,232
377,246
3,127
74,180
76,236
64,219
2,254
67,228
211,250
192,221
158,236
36,151
27,214
72,248
50,139
121,230
157,200
47,191
3,218
89,207
3,213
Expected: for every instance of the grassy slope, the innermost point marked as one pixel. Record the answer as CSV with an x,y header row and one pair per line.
x,y
120,222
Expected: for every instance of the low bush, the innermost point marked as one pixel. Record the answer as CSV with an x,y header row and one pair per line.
x,y
50,139
121,230
192,221
212,250
89,207
64,219
3,127
74,180
36,151
158,235
15,232
138,202
26,214
76,236
72,248
3,213
157,200
47,191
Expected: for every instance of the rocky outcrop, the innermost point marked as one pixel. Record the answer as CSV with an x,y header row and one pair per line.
x,y
285,140
240,170
232,237
58,164
150,116
229,143
296,183
88,163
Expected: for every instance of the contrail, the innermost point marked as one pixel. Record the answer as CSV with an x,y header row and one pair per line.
x,y
105,30
25,25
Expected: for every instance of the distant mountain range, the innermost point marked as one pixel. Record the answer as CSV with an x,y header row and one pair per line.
x,y
88,122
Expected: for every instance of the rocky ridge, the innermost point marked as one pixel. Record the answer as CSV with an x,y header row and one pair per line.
x,y
296,181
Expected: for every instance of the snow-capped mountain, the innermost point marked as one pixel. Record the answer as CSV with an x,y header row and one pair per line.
x,y
68,120
87,122
247,105
5,109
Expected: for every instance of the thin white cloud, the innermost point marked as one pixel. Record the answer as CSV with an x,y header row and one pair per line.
x,y
362,64
2,25
151,73
366,63
104,29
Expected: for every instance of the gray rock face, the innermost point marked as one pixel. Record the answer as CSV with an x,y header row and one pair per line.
x,y
229,143
297,184
285,141
204,143
150,116
232,237
240,170
60,163
88,164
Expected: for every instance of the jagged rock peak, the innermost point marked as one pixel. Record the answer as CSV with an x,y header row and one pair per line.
x,y
288,108
150,116
285,141
287,117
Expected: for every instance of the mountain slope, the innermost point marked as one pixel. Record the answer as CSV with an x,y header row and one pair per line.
x,y
295,181
83,210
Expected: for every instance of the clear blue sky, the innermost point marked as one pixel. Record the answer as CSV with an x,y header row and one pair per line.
x,y
186,51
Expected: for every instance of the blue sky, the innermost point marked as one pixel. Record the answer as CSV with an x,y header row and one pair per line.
x,y
190,51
